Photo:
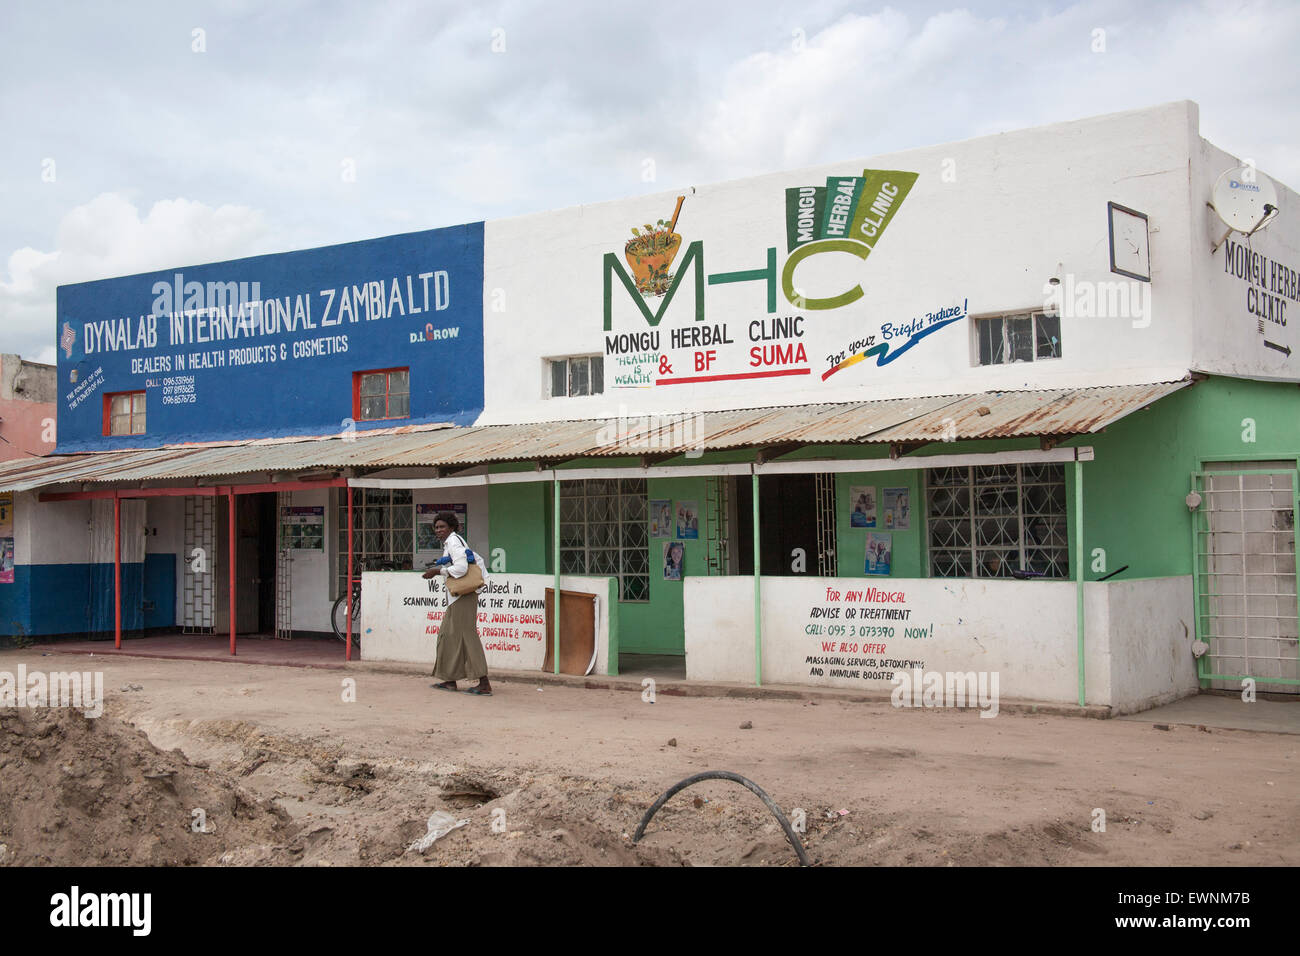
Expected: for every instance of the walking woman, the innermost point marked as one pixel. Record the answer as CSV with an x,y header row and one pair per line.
x,y
460,652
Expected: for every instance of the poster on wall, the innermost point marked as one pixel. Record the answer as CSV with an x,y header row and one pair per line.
x,y
7,538
674,560
661,518
303,528
896,504
688,519
880,548
862,499
426,515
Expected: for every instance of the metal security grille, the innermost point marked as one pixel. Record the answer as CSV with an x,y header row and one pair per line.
x,y
716,530
986,521
383,535
827,560
200,562
283,573
1245,575
603,531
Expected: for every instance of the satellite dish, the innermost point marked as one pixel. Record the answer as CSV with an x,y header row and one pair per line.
x,y
1244,198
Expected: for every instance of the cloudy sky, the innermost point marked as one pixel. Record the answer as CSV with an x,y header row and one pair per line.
x,y
144,136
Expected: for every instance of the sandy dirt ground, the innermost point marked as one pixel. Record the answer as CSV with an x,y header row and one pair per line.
x,y
285,771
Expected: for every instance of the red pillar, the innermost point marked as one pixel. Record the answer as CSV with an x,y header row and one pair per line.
x,y
347,638
230,498
117,571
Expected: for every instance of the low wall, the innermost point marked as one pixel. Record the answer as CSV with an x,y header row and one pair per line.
x,y
400,612
856,633
1151,633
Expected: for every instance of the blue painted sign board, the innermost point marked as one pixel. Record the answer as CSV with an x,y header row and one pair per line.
x,y
269,346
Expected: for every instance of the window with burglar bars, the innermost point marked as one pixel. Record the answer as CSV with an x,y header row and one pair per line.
x,y
382,532
603,531
986,521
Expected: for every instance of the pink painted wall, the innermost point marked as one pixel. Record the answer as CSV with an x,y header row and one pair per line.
x,y
27,408
21,425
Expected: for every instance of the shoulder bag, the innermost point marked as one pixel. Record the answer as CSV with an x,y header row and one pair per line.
x,y
471,580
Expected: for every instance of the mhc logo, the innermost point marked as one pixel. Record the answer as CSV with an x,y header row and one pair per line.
x,y
847,215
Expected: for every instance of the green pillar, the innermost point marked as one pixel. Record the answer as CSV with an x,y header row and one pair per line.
x,y
758,595
1078,565
555,555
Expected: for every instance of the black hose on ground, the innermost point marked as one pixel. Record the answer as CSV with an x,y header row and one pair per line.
x,y
744,782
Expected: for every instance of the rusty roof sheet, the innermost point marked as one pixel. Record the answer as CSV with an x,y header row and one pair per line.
x,y
495,443
664,434
816,424
1065,411
359,451
1040,413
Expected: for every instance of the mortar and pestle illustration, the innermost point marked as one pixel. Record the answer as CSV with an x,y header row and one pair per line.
x,y
651,252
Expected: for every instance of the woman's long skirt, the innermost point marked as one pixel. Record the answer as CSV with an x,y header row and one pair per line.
x,y
460,652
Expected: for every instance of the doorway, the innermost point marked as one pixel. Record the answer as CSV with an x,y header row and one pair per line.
x,y
794,511
1245,573
256,527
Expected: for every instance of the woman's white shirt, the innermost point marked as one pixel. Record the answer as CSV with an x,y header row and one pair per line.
x,y
454,547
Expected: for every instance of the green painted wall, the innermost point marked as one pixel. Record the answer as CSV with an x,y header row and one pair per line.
x,y
657,627
908,552
519,521
1133,493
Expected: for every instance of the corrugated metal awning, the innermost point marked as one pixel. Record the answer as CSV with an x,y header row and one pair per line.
x,y
1040,414
1050,413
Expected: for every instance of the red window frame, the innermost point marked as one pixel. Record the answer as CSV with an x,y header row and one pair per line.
x,y
108,414
387,373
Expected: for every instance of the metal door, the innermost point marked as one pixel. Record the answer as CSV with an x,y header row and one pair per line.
x,y
1245,574
283,572
199,565
827,558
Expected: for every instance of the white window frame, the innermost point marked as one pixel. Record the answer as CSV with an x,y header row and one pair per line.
x,y
570,362
1034,315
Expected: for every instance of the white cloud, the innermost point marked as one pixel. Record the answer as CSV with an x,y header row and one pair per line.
x,y
107,237
791,107
891,80
442,130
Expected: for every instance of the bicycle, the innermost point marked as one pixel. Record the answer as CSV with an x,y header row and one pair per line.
x,y
339,613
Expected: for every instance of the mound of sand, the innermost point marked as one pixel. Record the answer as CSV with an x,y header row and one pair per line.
x,y
94,792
